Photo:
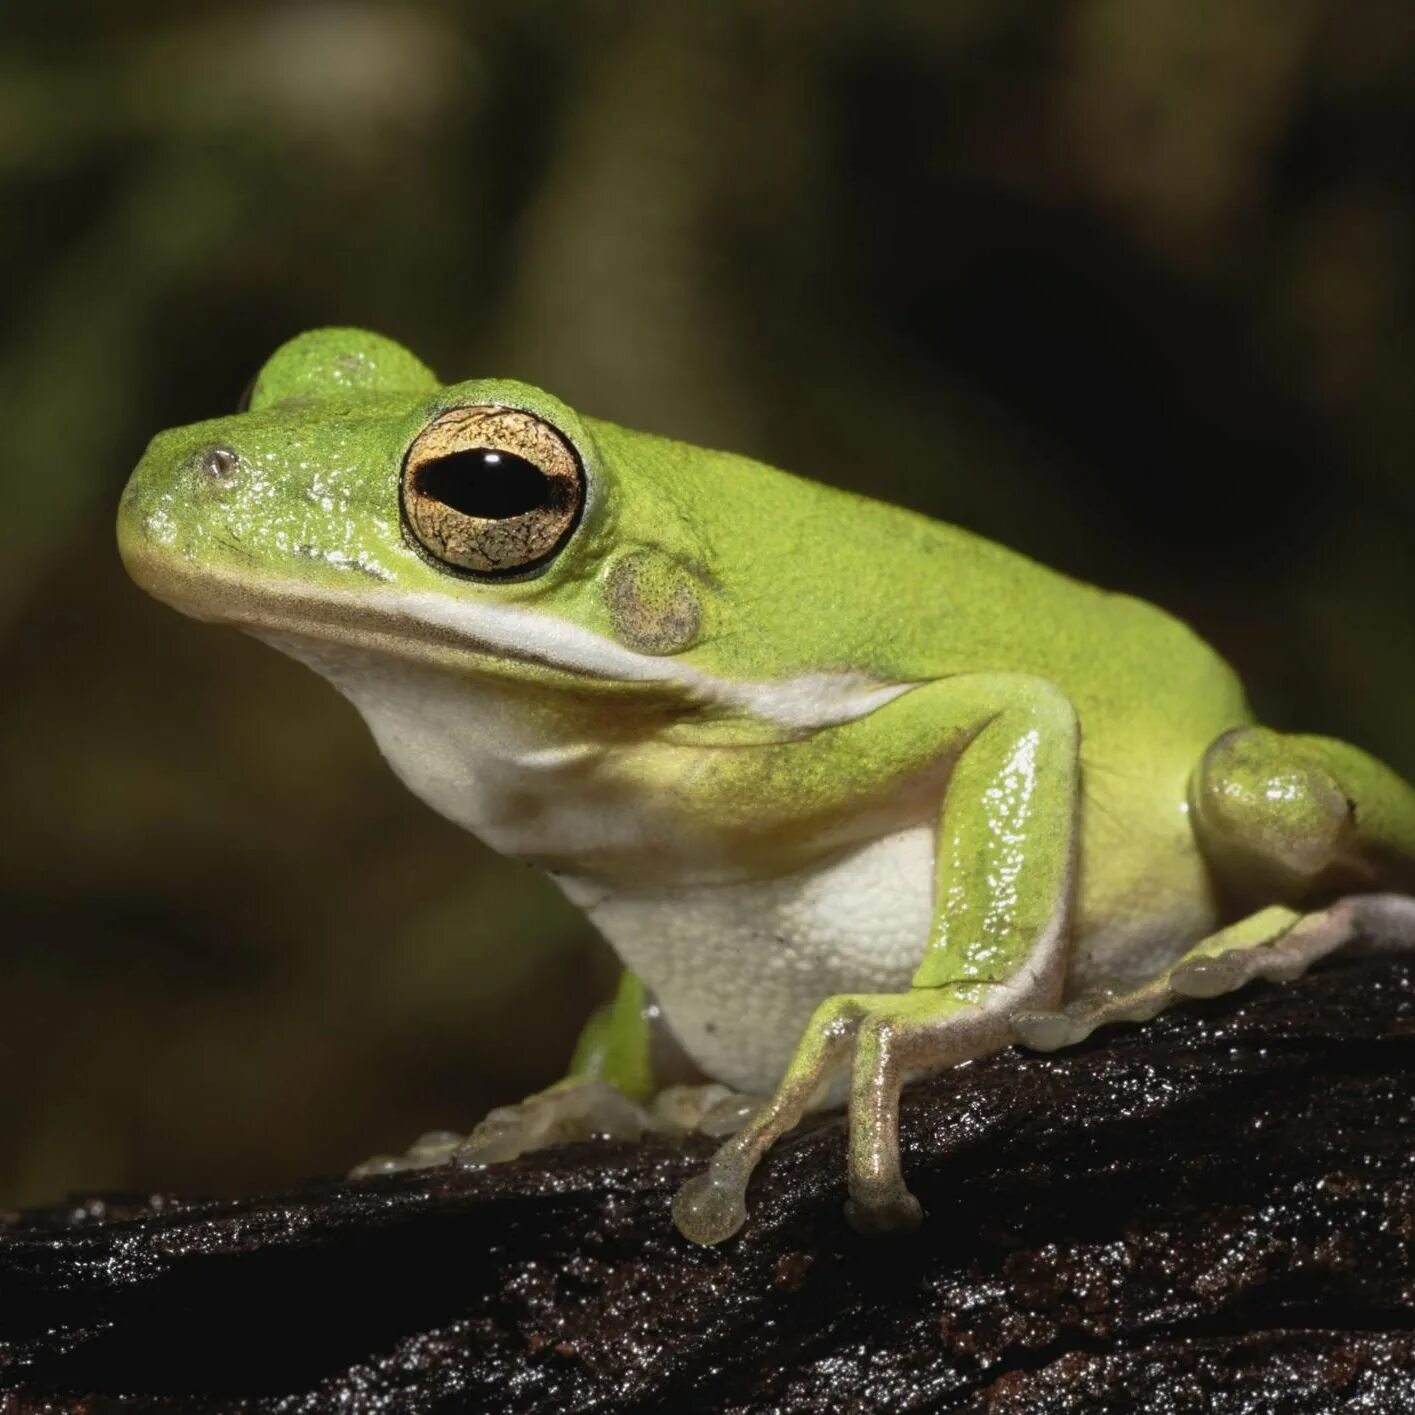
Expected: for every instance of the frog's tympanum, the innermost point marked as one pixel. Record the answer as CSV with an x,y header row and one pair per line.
x,y
854,795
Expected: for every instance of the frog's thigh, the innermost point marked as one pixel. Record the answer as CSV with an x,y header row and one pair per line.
x,y
1005,862
1277,943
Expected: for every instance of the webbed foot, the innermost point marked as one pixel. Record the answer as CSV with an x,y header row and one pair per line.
x,y
575,1109
1276,943
883,1038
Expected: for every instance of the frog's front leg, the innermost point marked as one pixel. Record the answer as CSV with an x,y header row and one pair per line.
x,y
616,1045
627,1078
1006,847
611,1075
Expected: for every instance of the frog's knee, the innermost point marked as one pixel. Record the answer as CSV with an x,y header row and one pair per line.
x,y
1268,814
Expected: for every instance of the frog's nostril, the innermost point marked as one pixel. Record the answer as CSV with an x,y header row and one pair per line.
x,y
220,463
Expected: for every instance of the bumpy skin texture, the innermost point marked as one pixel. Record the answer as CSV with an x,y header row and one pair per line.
x,y
854,793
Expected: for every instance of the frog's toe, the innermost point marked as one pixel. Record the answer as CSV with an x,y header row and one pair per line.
x,y
899,1213
581,1110
1138,1006
433,1148
573,1110
888,1043
1049,1031
711,1109
379,1164
711,1207
1209,977
1276,943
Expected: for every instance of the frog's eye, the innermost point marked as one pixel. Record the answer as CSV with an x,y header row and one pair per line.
x,y
492,490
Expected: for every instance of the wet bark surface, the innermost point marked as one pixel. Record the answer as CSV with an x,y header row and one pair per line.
x,y
1211,1212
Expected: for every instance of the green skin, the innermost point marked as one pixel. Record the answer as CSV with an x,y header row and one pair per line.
x,y
759,674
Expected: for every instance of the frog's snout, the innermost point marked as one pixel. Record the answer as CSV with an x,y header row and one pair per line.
x,y
170,505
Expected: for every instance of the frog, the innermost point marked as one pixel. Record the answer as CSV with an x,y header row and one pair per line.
x,y
855,795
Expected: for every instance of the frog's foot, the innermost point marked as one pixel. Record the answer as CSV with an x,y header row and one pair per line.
x,y
433,1148
710,1109
1276,943
891,1035
572,1110
575,1109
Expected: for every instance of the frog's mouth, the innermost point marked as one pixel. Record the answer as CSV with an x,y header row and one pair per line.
x,y
498,640
386,622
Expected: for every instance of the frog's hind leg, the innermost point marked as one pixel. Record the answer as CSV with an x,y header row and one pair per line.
x,y
1278,818
1277,943
1292,819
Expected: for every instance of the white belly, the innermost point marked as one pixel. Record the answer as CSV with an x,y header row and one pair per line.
x,y
738,968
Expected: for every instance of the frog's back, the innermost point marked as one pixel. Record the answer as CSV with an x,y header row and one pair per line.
x,y
967,604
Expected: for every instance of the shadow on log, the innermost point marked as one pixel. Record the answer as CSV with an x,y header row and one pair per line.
x,y
1212,1212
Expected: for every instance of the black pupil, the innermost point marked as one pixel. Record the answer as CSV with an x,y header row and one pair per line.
x,y
484,483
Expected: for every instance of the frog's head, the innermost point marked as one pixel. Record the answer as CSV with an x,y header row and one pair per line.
x,y
482,527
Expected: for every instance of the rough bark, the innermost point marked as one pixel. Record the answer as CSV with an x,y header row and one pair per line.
x,y
1213,1212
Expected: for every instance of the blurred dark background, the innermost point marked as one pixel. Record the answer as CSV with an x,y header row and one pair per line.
x,y
1124,283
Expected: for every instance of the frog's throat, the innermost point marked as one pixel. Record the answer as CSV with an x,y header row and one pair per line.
x,y
410,624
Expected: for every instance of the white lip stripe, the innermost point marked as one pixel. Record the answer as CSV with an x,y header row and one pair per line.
x,y
806,702
810,700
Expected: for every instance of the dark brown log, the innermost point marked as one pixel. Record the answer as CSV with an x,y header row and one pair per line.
x,y
1213,1212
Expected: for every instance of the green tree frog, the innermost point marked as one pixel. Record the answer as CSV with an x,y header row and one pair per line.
x,y
854,795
